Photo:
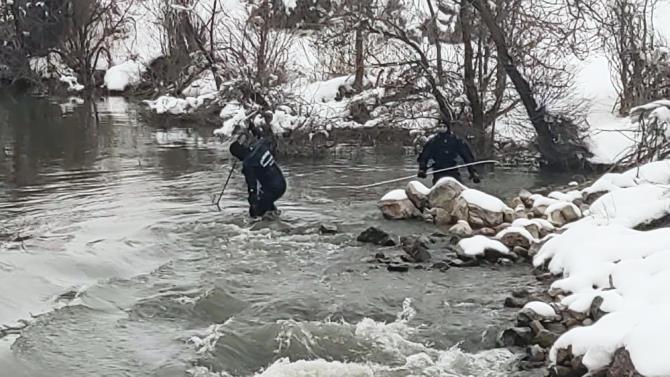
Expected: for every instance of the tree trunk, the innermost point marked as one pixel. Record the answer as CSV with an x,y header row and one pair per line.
x,y
469,84
360,59
536,113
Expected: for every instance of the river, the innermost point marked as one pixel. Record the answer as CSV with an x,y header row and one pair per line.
x,y
129,270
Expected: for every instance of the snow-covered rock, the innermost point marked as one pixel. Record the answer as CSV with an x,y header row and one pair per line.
x,y
561,213
462,228
444,194
478,245
120,77
481,209
418,194
396,206
515,236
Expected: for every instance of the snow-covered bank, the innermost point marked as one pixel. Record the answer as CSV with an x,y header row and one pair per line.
x,y
609,301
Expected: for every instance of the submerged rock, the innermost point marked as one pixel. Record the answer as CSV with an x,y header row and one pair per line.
x,y
516,337
376,236
328,229
416,248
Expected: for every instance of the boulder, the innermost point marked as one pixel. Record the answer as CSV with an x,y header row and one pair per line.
x,y
396,206
417,193
444,194
517,202
622,365
545,338
488,232
376,236
328,229
516,337
520,212
515,236
525,197
440,216
480,209
531,226
562,213
536,353
462,228
515,302
416,248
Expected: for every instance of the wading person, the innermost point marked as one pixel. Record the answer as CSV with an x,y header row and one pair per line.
x,y
443,149
265,181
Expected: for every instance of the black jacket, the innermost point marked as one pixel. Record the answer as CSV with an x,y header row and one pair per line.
x,y
259,166
443,149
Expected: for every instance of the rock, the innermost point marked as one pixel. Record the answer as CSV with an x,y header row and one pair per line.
x,y
536,353
501,227
462,228
561,371
515,236
508,215
416,248
520,212
493,255
328,229
376,236
562,213
398,267
536,327
515,302
417,193
396,206
488,232
527,315
594,311
506,262
515,337
563,356
525,195
444,194
520,251
480,209
464,263
517,202
622,365
520,293
545,338
441,217
587,322
556,327
441,266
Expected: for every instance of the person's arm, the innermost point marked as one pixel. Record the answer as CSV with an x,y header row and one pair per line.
x,y
425,156
468,157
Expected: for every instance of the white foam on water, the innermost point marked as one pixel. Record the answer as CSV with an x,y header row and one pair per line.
x,y
392,338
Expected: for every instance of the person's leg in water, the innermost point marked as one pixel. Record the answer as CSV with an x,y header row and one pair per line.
x,y
267,198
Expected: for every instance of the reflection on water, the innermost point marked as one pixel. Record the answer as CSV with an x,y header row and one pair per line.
x,y
150,280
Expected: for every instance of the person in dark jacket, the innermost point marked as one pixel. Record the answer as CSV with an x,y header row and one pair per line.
x,y
259,167
443,149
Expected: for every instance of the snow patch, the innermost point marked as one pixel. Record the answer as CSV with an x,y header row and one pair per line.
x,y
477,245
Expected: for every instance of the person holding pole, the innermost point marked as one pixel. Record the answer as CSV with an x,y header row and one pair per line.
x,y
443,149
265,180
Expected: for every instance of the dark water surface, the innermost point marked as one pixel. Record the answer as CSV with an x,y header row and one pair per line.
x,y
135,273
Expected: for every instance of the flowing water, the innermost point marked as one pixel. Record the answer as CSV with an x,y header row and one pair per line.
x,y
110,247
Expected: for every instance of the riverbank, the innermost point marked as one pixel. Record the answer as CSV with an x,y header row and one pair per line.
x,y
600,251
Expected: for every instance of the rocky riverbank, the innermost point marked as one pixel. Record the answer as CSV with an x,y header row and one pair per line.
x,y
601,255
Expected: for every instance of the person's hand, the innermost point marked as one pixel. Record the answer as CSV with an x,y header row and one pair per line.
x,y
422,174
474,177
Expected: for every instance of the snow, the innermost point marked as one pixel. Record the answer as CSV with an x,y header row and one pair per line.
x,y
178,106
559,206
120,77
542,201
394,195
540,308
476,245
483,200
516,230
419,187
602,255
72,83
449,181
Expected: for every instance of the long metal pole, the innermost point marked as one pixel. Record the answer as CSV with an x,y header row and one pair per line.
x,y
226,185
411,176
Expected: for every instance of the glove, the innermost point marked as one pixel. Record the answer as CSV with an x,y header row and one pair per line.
x,y
422,174
474,177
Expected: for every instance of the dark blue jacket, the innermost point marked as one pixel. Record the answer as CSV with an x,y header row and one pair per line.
x,y
259,166
443,149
